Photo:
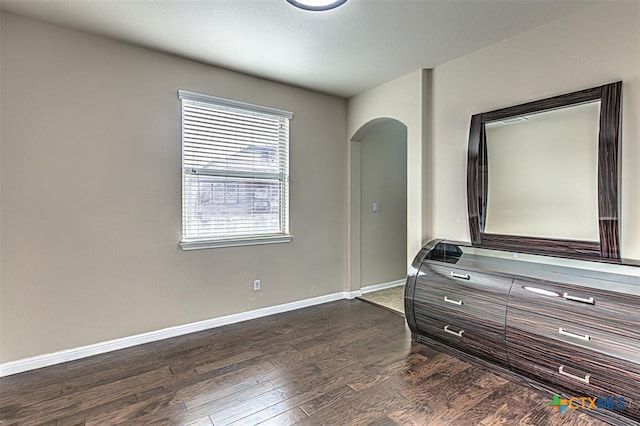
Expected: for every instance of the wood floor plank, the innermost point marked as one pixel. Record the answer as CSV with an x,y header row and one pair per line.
x,y
290,417
243,409
230,398
60,407
226,362
327,399
364,407
325,350
341,363
326,387
319,388
414,416
195,393
400,367
454,405
205,421
132,413
12,401
486,407
382,421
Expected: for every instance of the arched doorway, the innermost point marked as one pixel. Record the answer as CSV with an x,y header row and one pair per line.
x,y
378,219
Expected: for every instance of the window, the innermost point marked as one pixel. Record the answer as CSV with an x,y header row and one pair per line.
x,y
235,173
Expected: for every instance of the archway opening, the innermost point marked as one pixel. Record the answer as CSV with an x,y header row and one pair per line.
x,y
379,211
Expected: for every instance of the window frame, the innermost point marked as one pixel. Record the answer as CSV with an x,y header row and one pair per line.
x,y
282,176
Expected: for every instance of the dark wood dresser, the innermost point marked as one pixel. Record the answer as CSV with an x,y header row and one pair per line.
x,y
569,327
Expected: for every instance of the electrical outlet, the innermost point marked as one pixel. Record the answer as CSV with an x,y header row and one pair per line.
x,y
256,285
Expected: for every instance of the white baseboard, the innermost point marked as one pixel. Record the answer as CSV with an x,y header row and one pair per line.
x,y
376,287
353,294
66,355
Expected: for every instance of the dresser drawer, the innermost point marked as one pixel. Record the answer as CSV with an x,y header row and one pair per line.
x,y
472,294
480,338
448,332
561,383
529,352
584,336
599,309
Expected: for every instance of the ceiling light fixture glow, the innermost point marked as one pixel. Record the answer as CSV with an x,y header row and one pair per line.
x,y
317,5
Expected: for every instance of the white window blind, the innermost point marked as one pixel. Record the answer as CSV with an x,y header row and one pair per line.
x,y
235,172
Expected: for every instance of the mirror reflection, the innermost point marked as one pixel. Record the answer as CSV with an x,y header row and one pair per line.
x,y
542,174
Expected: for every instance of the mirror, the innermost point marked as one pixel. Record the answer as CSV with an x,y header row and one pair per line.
x,y
542,177
562,201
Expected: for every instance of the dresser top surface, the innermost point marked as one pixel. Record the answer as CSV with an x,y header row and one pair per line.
x,y
612,277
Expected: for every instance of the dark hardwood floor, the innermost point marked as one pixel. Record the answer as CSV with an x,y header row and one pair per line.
x,y
345,362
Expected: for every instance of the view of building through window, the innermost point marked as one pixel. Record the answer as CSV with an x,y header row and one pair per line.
x,y
231,205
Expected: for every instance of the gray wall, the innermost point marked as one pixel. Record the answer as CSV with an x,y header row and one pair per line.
x,y
383,179
597,45
91,199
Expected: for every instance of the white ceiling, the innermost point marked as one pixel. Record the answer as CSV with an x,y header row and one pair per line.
x,y
342,51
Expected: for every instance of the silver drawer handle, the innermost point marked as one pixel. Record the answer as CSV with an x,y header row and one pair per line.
x,y
584,379
455,302
455,333
461,276
567,296
575,336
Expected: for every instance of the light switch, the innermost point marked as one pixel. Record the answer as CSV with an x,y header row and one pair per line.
x,y
374,207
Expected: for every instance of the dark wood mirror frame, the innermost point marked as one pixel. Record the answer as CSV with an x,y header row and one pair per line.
x,y
607,248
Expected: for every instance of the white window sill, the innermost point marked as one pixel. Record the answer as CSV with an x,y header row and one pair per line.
x,y
197,245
